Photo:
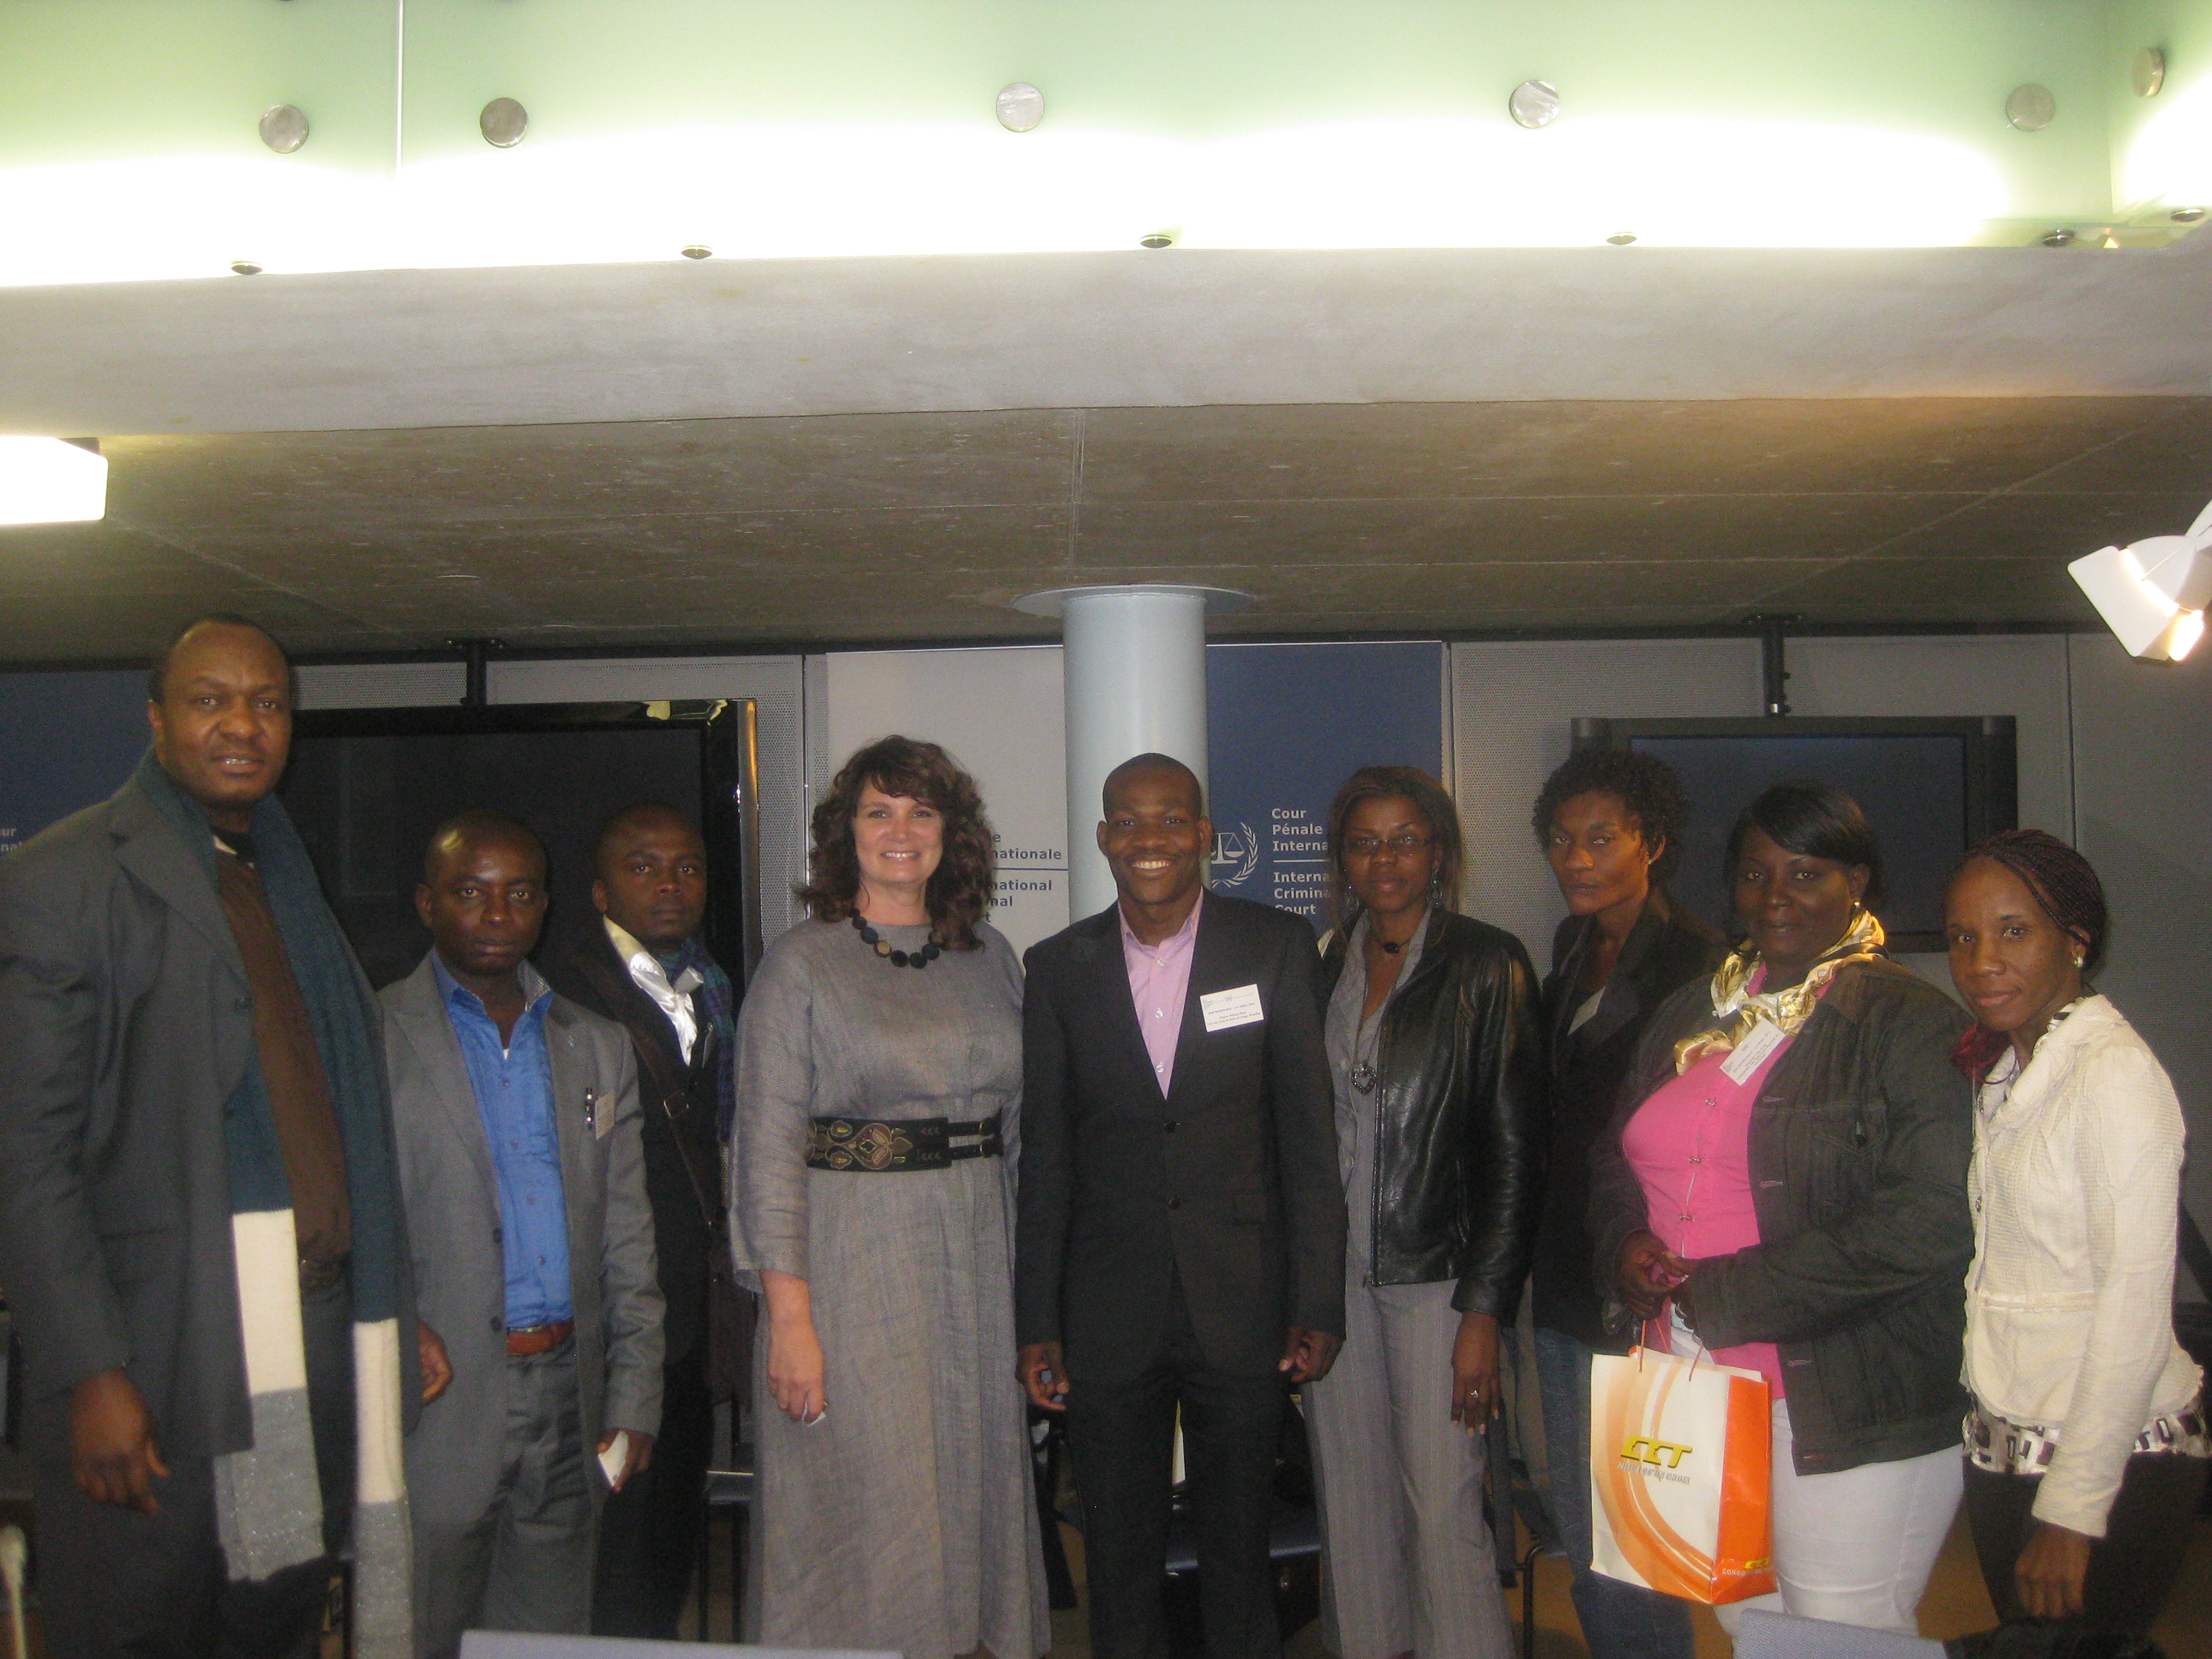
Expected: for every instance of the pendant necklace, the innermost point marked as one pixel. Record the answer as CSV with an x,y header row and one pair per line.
x,y
1363,1044
1363,1076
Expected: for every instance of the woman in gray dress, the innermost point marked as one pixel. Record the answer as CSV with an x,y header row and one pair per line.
x,y
879,1073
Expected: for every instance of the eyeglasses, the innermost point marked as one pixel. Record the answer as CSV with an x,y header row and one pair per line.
x,y
1366,847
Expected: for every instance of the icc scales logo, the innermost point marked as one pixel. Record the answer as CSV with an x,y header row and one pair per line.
x,y
1236,855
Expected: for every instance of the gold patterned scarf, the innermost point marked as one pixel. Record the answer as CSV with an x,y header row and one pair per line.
x,y
1736,1011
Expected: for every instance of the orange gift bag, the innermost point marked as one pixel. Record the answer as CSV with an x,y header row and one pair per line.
x,y
1679,1476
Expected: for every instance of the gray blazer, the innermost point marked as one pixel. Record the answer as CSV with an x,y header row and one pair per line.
x,y
460,1275
124,1026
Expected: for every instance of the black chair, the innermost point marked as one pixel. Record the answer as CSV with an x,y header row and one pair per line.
x,y
729,1491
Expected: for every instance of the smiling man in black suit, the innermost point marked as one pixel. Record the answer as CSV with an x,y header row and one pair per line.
x,y
1181,1237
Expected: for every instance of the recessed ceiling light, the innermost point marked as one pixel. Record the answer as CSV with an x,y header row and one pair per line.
x,y
2031,107
698,251
50,481
2186,215
2061,237
2149,72
244,268
1535,103
1621,238
283,128
1157,238
1021,106
503,122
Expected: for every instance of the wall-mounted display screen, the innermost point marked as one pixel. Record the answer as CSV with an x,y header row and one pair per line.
x,y
1931,788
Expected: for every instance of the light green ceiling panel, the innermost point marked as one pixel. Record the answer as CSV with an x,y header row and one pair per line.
x,y
90,81
760,127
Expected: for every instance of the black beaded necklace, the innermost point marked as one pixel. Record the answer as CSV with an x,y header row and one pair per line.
x,y
897,958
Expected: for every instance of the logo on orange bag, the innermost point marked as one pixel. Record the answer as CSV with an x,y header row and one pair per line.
x,y
1659,1454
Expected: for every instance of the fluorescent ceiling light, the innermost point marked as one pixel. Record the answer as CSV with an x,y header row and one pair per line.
x,y
2171,159
46,481
847,190
2152,594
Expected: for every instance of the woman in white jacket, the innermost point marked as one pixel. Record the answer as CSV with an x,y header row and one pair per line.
x,y
2085,1442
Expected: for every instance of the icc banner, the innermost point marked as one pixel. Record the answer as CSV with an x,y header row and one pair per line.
x,y
1286,725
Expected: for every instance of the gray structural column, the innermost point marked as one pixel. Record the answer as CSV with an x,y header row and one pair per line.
x,y
1135,677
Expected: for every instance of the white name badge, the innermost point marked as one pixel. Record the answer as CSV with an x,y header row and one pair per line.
x,y
1748,1055
1225,1009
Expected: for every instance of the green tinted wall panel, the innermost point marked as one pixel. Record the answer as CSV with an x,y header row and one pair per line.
x,y
84,81
2160,145
121,80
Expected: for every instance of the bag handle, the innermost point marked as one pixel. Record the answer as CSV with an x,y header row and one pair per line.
x,y
1636,1353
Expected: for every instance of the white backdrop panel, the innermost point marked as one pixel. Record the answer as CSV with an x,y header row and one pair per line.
x,y
999,713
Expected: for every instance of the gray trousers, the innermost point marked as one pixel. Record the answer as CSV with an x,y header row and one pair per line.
x,y
1411,1567
525,1562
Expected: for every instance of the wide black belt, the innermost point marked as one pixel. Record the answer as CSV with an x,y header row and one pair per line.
x,y
863,1147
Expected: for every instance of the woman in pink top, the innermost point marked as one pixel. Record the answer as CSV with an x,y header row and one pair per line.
x,y
1785,1188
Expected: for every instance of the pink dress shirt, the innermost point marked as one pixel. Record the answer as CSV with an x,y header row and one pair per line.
x,y
1689,1144
1159,979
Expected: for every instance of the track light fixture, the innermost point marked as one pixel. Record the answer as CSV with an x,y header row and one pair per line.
x,y
2152,594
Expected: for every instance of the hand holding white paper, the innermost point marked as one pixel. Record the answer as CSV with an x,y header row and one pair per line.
x,y
616,1453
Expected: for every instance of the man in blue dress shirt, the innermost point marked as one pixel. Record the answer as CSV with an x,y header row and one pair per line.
x,y
522,1159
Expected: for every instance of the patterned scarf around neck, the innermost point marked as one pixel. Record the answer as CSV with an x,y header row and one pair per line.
x,y
269,1511
1736,1011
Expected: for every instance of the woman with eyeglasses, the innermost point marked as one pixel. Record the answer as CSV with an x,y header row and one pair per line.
x,y
2086,1445
1436,1055
1786,1190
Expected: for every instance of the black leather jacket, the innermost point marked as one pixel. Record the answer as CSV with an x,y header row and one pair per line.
x,y
1858,1147
1666,949
1460,1173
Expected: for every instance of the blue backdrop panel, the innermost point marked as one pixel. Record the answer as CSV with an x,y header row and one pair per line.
x,y
66,740
1286,725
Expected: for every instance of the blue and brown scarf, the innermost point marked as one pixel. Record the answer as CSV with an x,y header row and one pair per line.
x,y
270,1510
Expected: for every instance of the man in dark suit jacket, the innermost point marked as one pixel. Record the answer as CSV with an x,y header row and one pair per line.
x,y
1181,1233
639,963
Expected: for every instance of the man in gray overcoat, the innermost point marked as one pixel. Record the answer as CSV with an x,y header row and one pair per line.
x,y
199,1231
521,1158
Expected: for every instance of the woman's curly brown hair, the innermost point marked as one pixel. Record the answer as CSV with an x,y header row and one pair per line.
x,y
960,888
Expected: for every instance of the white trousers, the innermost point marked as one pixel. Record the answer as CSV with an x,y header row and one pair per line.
x,y
1857,1546
1410,1563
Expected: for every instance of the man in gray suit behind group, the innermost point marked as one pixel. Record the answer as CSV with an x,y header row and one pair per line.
x,y
522,1160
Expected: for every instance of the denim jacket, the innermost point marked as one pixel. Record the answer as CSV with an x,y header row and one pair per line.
x,y
1858,1148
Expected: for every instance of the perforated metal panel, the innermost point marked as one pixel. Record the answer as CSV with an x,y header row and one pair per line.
x,y
381,684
